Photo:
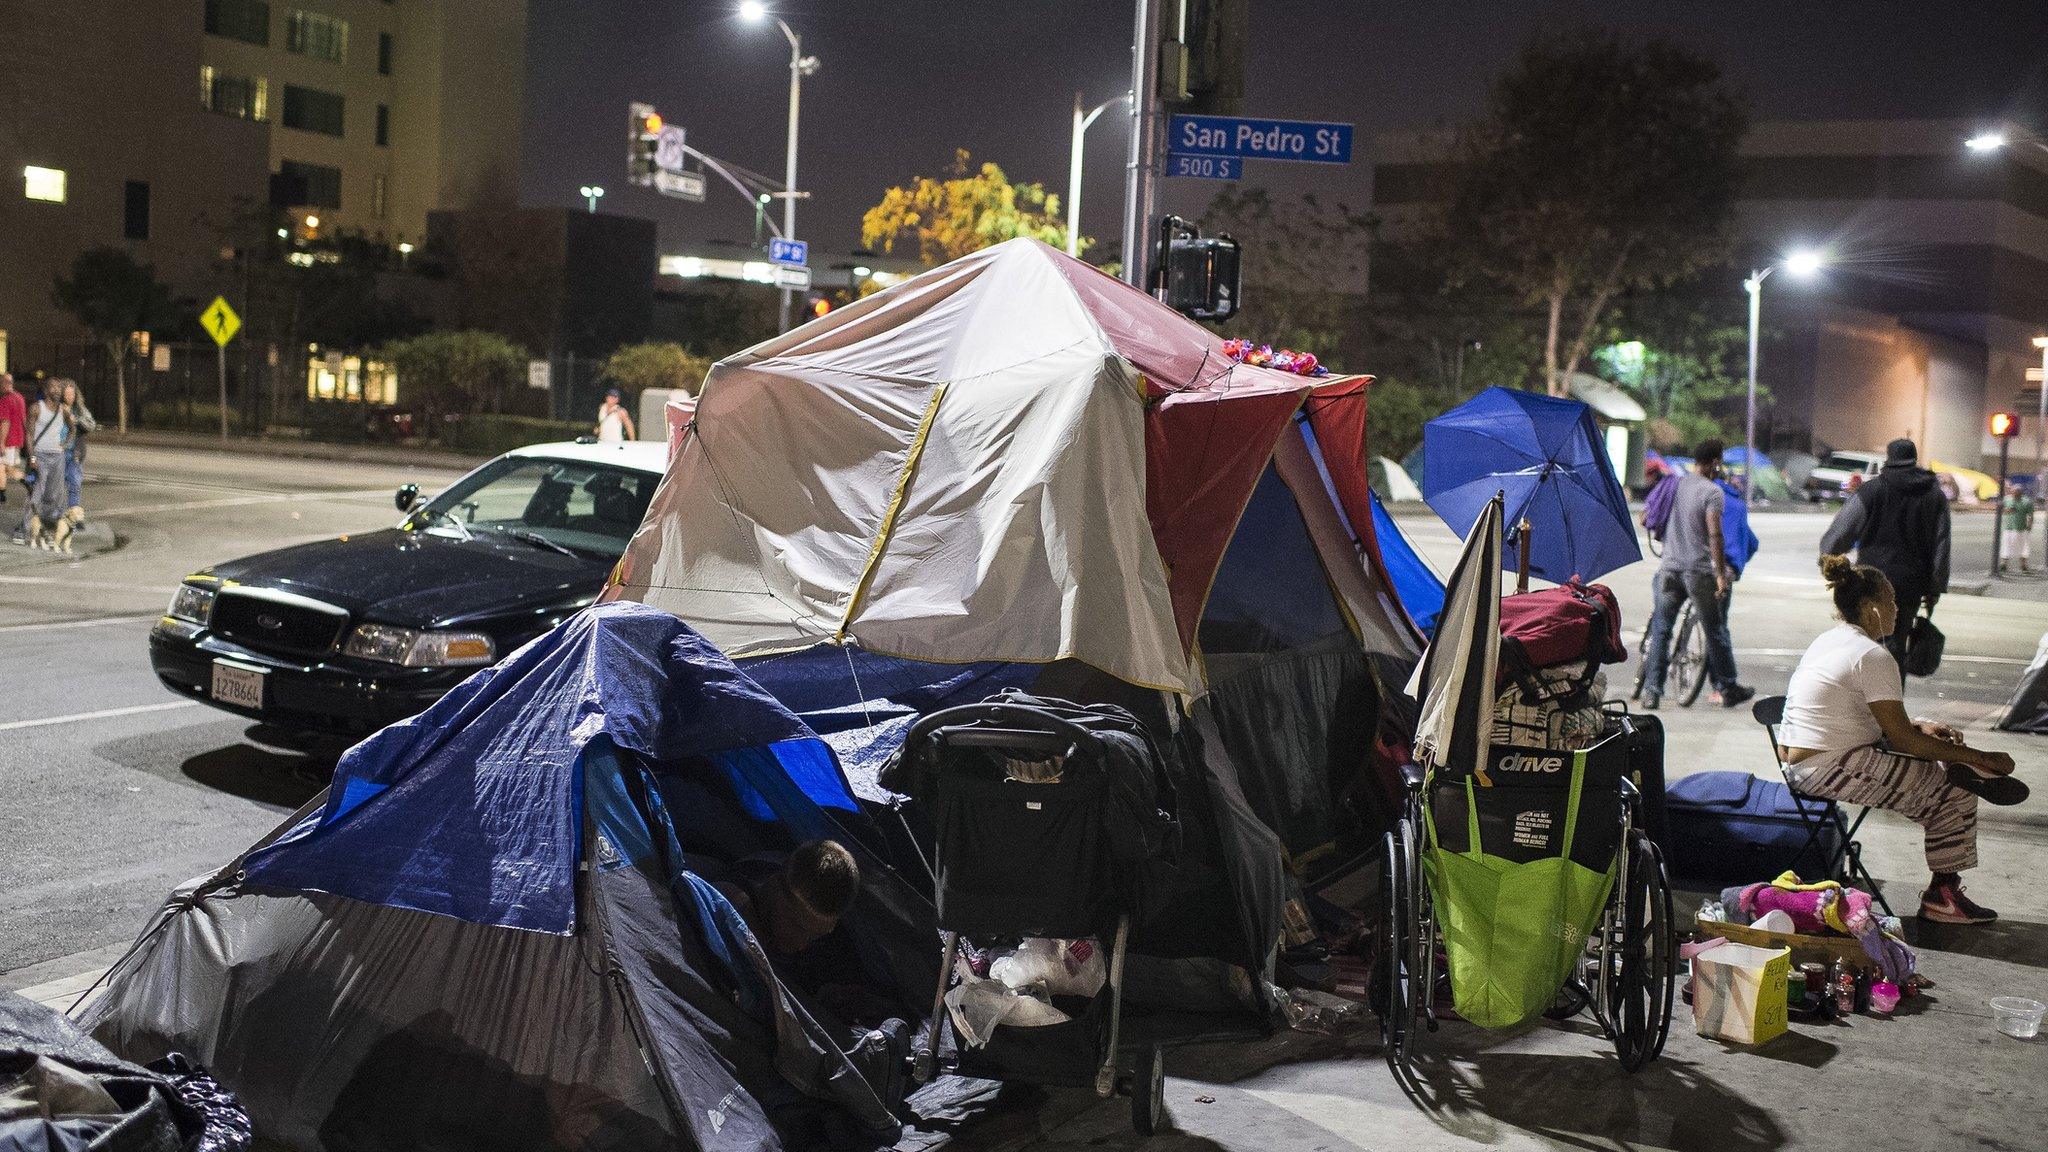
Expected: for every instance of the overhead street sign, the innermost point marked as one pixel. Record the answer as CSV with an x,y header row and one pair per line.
x,y
794,253
220,321
1205,167
669,153
681,185
1304,141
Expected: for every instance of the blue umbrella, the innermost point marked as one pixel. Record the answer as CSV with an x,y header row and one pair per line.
x,y
1546,453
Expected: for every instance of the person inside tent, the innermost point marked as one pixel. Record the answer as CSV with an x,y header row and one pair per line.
x,y
791,902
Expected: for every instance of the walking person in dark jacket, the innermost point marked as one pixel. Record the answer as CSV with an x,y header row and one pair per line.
x,y
1897,523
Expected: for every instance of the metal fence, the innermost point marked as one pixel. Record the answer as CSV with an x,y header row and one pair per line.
x,y
179,386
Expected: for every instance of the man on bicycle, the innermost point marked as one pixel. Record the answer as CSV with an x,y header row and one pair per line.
x,y
1695,568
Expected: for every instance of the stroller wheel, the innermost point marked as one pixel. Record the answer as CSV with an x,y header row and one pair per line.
x,y
1148,1091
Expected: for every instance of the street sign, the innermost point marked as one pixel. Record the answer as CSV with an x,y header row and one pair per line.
x,y
538,374
160,358
1205,167
795,253
220,321
1306,141
681,185
669,153
787,276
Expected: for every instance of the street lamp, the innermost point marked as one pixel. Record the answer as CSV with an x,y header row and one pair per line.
x,y
1081,122
1802,264
1998,139
2041,431
800,66
591,194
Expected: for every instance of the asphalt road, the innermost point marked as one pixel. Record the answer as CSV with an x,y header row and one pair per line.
x,y
115,789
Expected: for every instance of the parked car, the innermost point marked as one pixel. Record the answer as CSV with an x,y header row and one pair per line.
x,y
350,634
1831,478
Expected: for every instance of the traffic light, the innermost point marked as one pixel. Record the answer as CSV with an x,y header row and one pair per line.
x,y
1198,276
643,135
820,305
1202,61
2005,425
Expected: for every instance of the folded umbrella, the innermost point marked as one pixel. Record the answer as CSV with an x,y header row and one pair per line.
x,y
1454,680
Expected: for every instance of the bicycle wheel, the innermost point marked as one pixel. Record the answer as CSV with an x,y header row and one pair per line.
x,y
1640,977
1689,658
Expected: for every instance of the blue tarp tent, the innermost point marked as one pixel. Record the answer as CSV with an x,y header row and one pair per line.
x,y
494,929
1421,591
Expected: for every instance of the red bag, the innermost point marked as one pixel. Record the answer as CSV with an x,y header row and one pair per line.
x,y
1557,625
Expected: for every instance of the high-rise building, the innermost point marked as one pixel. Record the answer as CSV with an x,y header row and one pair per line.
x,y
380,110
161,127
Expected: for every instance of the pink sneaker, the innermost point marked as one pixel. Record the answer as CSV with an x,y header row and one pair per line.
x,y
1946,904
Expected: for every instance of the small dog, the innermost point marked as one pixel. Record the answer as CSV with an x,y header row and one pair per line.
x,y
55,535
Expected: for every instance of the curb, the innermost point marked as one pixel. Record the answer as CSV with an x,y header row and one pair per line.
x,y
389,454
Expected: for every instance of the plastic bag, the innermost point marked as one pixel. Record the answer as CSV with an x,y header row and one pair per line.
x,y
1059,967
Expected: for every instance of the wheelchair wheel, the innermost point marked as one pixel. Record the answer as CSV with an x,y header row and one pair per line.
x,y
1390,975
1640,977
1148,1091
1421,928
1689,658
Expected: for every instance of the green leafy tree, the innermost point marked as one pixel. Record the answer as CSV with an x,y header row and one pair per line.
x,y
114,296
466,371
971,209
1601,168
635,368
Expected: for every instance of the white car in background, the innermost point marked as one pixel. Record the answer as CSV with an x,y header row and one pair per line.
x,y
1839,472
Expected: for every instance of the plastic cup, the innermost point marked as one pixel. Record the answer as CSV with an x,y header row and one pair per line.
x,y
2018,1017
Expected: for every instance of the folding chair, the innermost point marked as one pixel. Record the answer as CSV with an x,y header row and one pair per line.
x,y
1846,862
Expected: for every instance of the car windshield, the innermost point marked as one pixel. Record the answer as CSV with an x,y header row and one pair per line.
x,y
1847,463
549,504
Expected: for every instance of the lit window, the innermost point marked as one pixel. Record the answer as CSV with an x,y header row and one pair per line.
x,y
244,97
44,183
315,35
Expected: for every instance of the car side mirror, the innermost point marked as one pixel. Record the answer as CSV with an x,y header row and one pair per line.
x,y
408,495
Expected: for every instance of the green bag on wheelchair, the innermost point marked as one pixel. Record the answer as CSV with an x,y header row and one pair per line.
x,y
1520,862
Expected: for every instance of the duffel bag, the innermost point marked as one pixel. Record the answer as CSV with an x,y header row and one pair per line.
x,y
1735,828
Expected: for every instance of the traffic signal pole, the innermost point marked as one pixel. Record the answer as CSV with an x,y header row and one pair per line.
x,y
1998,524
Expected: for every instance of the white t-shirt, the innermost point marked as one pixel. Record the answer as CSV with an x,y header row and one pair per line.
x,y
1827,704
611,426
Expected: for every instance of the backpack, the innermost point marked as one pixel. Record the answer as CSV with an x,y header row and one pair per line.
x,y
1657,505
1558,625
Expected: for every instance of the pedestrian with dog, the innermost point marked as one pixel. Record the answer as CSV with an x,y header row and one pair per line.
x,y
48,434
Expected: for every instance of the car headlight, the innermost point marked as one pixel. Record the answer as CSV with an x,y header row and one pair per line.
x,y
411,648
191,602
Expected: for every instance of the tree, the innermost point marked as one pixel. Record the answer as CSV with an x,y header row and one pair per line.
x,y
466,371
1304,270
1600,168
114,297
972,209
656,364
1682,351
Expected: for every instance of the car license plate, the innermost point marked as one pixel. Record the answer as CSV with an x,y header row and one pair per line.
x,y
238,685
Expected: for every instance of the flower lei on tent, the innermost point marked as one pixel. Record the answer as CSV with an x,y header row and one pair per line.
x,y
1280,359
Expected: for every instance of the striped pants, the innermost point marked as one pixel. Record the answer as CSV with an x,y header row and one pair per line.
x,y
1916,789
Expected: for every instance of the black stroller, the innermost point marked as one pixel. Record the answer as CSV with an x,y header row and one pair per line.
x,y
1046,819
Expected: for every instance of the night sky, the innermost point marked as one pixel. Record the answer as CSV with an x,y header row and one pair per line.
x,y
904,83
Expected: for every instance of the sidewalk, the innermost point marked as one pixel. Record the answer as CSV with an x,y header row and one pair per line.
x,y
391,454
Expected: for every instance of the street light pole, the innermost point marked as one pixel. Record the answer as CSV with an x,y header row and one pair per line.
x,y
1081,122
1755,286
800,66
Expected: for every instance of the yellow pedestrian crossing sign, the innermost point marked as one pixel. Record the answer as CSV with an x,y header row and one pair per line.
x,y
220,321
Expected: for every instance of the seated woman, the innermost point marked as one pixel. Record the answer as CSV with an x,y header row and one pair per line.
x,y
1846,737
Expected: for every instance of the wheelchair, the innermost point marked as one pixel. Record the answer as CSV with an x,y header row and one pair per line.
x,y
1528,886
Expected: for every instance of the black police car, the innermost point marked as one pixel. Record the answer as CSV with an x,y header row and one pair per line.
x,y
350,634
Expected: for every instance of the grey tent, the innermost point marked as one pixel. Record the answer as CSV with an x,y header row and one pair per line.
x,y
486,934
